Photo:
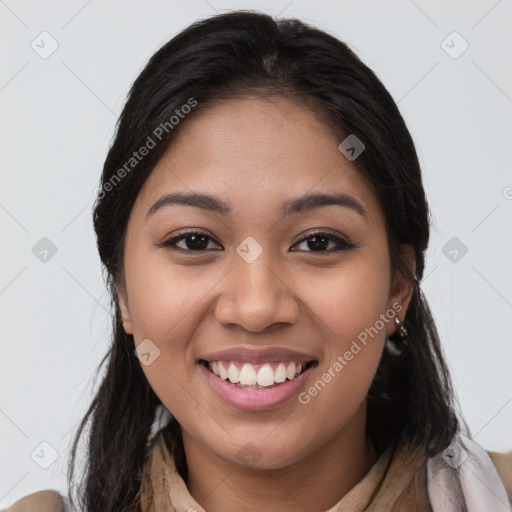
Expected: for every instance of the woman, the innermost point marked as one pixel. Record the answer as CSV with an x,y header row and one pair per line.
x,y
263,226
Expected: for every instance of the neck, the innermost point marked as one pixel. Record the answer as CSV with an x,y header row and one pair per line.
x,y
315,483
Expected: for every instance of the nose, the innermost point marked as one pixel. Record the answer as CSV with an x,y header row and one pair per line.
x,y
256,297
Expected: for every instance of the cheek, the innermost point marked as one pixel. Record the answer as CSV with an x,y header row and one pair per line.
x,y
348,307
351,299
165,300
166,306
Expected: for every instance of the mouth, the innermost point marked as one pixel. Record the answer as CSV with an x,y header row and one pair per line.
x,y
257,376
256,387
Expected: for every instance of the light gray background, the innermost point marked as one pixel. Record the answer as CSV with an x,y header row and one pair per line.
x,y
57,119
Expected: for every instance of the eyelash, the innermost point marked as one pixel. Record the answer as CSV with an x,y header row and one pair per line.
x,y
342,245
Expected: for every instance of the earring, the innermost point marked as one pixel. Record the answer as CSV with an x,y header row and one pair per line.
x,y
402,331
396,347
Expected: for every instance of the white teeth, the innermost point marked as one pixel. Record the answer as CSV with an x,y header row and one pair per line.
x,y
248,377
265,376
280,375
223,374
290,371
233,373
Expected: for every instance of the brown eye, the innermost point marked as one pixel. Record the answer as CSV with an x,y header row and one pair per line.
x,y
319,242
193,241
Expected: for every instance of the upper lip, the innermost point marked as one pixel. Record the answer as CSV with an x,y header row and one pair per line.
x,y
257,355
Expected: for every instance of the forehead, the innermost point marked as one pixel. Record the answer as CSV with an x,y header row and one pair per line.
x,y
256,152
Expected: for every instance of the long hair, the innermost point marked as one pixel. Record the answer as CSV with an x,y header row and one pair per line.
x,y
228,56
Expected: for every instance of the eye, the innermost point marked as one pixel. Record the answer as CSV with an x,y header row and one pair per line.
x,y
193,241
198,241
318,241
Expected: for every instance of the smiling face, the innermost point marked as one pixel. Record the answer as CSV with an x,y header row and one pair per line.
x,y
262,269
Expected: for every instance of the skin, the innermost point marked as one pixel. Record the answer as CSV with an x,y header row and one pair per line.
x,y
255,154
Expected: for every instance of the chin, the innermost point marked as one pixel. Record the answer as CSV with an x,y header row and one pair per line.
x,y
264,455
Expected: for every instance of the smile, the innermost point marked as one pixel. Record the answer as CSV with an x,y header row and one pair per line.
x,y
256,376
249,386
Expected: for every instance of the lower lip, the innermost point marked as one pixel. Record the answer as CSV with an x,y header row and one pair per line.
x,y
255,399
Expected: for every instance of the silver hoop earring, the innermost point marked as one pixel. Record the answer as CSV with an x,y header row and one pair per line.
x,y
397,346
402,331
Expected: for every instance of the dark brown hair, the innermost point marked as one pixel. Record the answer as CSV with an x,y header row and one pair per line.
x,y
226,56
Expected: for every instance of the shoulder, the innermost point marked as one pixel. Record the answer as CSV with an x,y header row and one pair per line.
x,y
40,501
503,464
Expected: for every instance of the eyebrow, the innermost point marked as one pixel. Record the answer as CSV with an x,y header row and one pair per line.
x,y
301,204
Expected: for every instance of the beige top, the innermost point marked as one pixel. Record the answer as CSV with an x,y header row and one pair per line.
x,y
396,482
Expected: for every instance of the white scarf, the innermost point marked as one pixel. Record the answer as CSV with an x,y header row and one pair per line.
x,y
475,487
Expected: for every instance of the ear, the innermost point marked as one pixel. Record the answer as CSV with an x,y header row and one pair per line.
x,y
401,289
122,300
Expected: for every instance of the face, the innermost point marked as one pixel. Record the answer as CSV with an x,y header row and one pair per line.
x,y
299,293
